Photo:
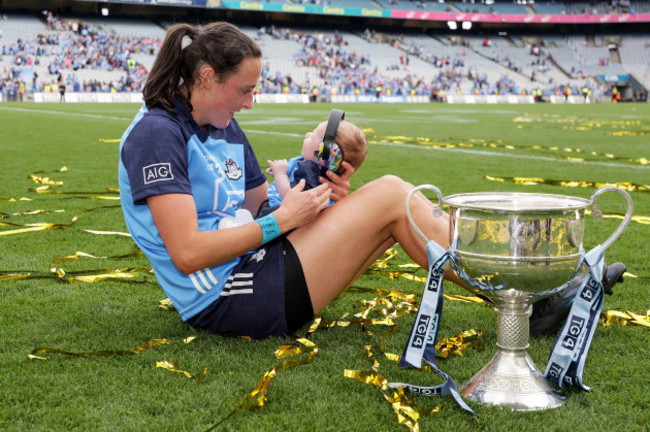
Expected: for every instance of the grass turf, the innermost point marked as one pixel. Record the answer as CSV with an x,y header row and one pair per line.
x,y
458,148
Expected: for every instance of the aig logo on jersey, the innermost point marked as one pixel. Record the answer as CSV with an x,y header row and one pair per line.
x,y
157,172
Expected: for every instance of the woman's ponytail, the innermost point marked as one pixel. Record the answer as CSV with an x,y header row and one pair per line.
x,y
163,82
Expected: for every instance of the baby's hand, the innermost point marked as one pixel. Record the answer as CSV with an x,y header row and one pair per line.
x,y
277,167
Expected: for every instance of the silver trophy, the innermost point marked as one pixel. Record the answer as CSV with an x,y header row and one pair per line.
x,y
515,249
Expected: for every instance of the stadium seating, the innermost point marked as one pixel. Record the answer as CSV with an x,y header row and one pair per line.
x,y
462,62
51,63
586,7
369,4
550,8
429,6
126,26
19,26
496,8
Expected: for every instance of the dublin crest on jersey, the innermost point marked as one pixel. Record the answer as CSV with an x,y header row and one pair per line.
x,y
233,172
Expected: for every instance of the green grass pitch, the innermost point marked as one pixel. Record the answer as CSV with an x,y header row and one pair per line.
x,y
459,148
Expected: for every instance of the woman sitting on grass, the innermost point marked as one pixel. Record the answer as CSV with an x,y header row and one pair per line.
x,y
185,164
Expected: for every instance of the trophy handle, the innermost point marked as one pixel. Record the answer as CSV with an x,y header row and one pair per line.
x,y
597,214
437,210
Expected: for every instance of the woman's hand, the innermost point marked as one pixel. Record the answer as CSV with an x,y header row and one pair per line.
x,y
340,184
299,207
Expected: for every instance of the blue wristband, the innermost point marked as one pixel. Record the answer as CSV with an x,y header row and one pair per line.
x,y
270,228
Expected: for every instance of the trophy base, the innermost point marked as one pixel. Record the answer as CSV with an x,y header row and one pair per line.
x,y
512,380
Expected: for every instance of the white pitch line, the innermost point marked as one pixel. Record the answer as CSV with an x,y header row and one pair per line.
x,y
287,134
63,113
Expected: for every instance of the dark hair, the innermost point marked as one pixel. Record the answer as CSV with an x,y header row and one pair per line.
x,y
220,45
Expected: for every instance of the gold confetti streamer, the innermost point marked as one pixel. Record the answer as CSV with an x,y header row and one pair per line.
x,y
498,144
622,317
33,227
458,344
15,199
166,304
42,226
624,133
81,254
35,357
13,276
172,366
645,220
136,350
407,412
45,180
291,350
74,257
112,274
382,262
117,274
382,310
382,344
408,276
577,123
257,398
95,195
529,181
29,213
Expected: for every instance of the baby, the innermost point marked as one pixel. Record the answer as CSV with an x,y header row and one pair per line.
x,y
349,144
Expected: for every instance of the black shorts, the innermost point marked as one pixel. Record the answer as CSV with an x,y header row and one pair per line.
x,y
278,303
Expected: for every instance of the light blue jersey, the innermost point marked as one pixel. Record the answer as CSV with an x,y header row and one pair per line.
x,y
162,153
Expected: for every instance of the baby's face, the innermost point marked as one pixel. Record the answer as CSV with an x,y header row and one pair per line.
x,y
312,140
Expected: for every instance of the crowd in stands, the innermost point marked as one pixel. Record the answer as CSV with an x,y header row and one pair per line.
x,y
315,2
346,72
76,45
613,6
73,46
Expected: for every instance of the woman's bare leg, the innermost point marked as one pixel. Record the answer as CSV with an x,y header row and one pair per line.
x,y
379,252
346,238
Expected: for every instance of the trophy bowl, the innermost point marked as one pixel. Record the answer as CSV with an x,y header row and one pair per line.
x,y
515,249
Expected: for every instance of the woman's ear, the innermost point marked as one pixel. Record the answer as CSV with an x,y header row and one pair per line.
x,y
207,77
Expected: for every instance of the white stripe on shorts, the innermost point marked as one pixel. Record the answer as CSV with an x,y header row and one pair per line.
x,y
238,283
